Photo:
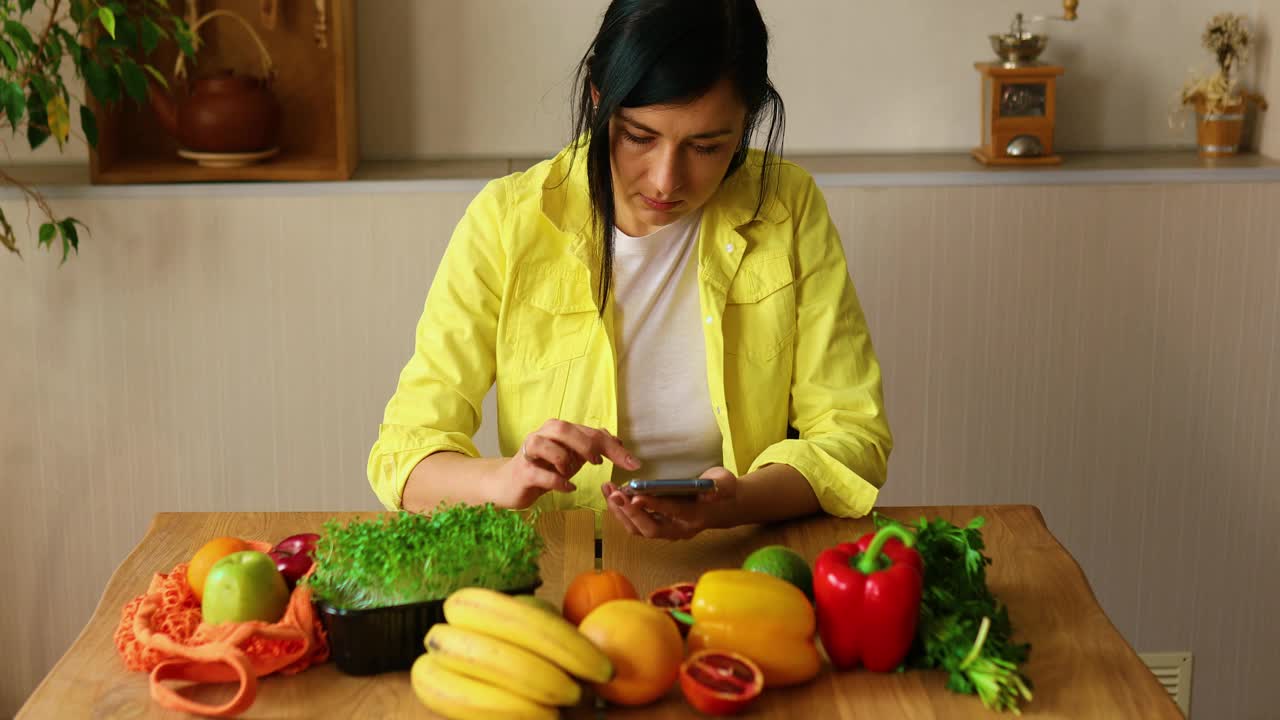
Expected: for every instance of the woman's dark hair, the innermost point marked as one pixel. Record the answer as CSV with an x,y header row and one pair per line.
x,y
650,52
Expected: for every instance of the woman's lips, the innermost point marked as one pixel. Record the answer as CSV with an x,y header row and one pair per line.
x,y
660,206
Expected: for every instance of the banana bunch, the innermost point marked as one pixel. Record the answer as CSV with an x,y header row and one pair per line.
x,y
499,658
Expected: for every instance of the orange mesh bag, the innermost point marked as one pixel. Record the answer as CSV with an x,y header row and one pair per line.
x,y
161,632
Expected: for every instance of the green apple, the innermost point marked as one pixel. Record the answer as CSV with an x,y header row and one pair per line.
x,y
244,586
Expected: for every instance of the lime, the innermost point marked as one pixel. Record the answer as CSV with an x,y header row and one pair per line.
x,y
782,562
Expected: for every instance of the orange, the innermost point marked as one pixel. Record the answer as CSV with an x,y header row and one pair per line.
x,y
592,589
644,645
208,554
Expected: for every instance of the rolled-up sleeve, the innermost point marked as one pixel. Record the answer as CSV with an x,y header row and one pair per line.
x,y
837,403
436,405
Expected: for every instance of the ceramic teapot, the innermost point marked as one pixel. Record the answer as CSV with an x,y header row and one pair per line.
x,y
225,112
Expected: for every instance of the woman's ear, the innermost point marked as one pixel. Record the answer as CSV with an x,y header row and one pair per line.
x,y
595,95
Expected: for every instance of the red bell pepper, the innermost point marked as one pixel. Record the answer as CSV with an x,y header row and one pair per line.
x,y
868,599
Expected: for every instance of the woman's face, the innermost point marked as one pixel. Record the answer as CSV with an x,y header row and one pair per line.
x,y
668,160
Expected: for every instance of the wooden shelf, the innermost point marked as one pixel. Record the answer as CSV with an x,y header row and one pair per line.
x,y
315,88
898,170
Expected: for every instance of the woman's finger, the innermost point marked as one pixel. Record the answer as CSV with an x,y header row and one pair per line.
x,y
554,454
611,447
675,509
615,504
533,475
577,438
593,444
644,522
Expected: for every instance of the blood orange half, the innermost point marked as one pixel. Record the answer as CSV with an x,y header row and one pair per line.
x,y
720,682
674,597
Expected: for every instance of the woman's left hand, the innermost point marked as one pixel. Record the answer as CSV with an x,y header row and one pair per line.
x,y
671,518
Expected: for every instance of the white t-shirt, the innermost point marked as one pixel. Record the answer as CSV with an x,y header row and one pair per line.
x,y
664,405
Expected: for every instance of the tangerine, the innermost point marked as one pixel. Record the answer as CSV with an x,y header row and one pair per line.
x,y
593,588
208,554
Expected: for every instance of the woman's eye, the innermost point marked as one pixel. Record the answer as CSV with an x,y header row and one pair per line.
x,y
636,138
707,149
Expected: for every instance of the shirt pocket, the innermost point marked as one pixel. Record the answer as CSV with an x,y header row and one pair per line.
x,y
760,309
555,316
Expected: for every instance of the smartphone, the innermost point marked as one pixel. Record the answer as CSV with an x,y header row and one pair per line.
x,y
684,486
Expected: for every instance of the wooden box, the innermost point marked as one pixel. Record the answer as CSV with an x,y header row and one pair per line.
x,y
314,86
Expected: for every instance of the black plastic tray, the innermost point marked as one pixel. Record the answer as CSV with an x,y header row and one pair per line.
x,y
388,639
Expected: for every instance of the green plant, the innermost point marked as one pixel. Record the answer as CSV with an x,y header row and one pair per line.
x,y
964,629
107,43
407,558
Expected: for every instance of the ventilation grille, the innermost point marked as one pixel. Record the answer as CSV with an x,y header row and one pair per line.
x,y
1173,670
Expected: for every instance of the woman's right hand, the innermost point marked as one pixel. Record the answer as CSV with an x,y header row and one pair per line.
x,y
550,456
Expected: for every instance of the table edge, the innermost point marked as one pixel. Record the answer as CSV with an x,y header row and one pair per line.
x,y
1093,596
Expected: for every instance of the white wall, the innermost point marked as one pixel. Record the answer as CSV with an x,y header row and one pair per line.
x,y
1269,76
1107,353
446,78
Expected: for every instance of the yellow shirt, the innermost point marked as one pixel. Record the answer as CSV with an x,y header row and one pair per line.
x,y
513,302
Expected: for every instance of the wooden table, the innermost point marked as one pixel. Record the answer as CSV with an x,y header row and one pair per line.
x,y
90,680
1080,665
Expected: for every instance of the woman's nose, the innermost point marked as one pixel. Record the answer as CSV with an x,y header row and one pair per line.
x,y
666,173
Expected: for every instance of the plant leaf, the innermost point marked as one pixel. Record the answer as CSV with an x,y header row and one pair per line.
x,y
20,35
59,119
156,74
73,47
14,104
135,81
89,124
37,122
101,83
70,239
26,5
151,33
108,20
182,35
8,54
47,231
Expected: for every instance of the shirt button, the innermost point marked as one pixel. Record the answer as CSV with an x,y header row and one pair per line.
x,y
708,319
728,248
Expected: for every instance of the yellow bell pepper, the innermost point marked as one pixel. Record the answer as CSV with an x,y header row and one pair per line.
x,y
763,617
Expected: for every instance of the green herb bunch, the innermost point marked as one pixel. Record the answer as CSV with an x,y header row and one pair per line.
x,y
408,558
964,629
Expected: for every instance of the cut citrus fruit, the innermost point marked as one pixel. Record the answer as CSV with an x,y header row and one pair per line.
x,y
720,682
674,597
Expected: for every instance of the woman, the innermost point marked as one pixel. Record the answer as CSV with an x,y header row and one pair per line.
x,y
657,301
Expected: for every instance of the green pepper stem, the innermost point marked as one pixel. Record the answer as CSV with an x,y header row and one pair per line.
x,y
978,642
683,617
869,560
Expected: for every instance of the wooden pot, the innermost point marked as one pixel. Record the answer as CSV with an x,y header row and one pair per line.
x,y
1218,132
